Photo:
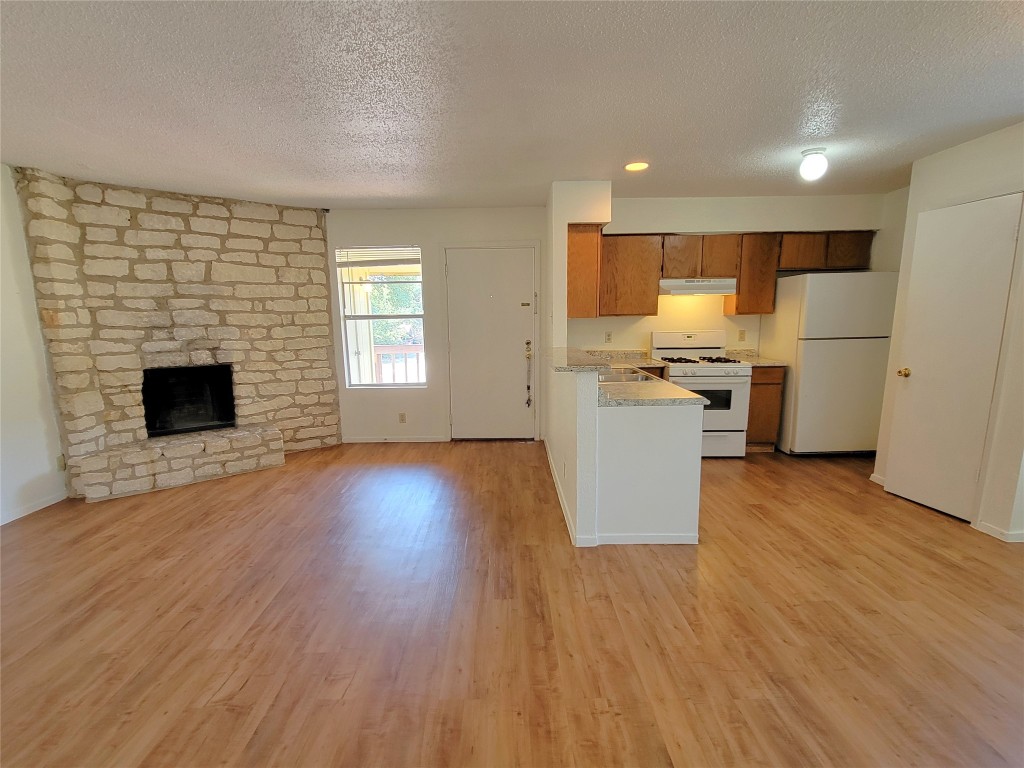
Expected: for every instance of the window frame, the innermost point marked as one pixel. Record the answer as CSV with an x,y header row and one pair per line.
x,y
343,263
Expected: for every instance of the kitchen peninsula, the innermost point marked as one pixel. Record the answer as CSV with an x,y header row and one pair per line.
x,y
614,448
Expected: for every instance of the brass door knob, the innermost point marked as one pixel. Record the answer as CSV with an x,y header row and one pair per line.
x,y
904,372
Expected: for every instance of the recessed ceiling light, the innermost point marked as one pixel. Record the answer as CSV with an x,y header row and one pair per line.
x,y
814,164
636,166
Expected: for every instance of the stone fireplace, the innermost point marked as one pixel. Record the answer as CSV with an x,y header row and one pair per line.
x,y
134,284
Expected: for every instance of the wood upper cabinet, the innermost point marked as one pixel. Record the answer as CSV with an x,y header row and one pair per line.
x,y
803,250
755,288
826,250
630,269
765,410
721,256
701,256
582,270
849,250
682,256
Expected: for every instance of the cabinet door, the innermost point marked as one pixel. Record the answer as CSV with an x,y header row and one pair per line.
x,y
755,289
629,274
803,250
584,255
721,257
765,413
849,250
682,256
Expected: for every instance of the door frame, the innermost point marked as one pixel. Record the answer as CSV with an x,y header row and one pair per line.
x,y
445,246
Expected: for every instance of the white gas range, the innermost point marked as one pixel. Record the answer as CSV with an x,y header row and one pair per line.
x,y
697,362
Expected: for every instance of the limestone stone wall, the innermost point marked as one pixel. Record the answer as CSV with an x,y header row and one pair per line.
x,y
128,279
164,462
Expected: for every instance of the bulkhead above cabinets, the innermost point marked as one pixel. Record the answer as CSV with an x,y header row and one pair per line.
x,y
619,274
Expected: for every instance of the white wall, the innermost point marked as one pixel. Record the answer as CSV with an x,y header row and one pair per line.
x,y
887,247
29,441
998,505
675,313
372,414
985,167
717,214
636,215
569,400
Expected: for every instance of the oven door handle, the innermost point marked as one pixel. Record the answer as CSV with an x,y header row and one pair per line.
x,y
714,381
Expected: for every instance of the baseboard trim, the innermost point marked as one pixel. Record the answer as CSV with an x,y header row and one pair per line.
x,y
647,538
561,498
877,479
34,506
999,533
413,439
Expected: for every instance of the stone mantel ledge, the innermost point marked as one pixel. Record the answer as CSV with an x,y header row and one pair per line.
x,y
167,462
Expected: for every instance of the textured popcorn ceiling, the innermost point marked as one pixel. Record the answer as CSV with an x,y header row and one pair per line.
x,y
440,104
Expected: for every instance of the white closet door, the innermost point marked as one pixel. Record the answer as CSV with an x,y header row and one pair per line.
x,y
949,340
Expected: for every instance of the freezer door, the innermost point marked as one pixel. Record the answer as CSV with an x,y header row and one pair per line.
x,y
842,305
837,401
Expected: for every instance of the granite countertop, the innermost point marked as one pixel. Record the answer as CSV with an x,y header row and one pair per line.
x,y
751,356
571,359
635,357
616,394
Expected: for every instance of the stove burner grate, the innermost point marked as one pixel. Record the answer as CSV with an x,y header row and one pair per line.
x,y
718,360
679,360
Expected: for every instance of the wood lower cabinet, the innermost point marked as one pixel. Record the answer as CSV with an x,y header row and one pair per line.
x,y
755,288
765,406
630,270
583,269
654,370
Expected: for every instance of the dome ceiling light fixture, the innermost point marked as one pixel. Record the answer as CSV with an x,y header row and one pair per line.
x,y
637,166
814,164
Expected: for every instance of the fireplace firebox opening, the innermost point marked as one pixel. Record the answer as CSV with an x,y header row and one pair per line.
x,y
187,399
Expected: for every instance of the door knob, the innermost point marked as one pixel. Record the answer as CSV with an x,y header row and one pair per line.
x,y
904,372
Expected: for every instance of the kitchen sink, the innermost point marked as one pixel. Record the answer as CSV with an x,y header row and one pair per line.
x,y
624,376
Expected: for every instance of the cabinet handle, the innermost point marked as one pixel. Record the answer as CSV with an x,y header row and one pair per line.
x,y
904,372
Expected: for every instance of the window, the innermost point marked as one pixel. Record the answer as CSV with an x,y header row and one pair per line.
x,y
382,316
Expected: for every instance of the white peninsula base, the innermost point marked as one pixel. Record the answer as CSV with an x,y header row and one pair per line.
x,y
648,475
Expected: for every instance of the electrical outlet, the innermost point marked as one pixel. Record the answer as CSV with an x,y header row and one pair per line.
x,y
401,417
607,337
742,334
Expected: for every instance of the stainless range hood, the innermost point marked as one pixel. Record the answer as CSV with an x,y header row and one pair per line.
x,y
697,286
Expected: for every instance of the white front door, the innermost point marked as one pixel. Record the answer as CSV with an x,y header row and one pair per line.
x,y
491,326
949,343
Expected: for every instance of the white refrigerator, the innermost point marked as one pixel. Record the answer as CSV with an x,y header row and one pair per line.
x,y
831,329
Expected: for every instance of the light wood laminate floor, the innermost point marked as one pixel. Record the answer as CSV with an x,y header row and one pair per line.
x,y
420,605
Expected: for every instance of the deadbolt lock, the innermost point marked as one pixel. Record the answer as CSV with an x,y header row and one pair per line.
x,y
904,372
